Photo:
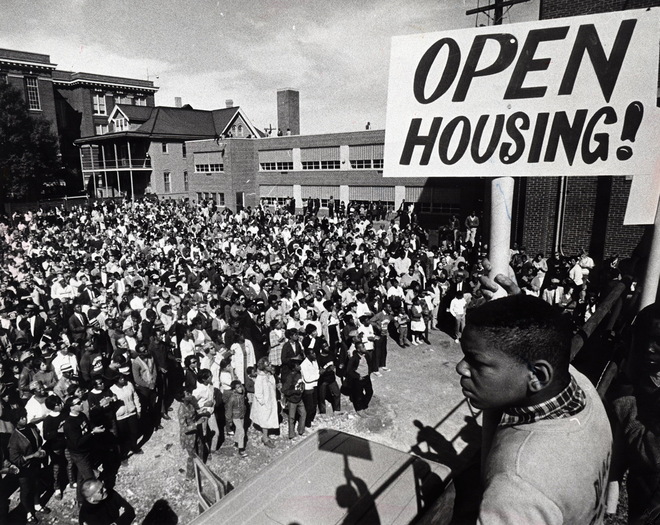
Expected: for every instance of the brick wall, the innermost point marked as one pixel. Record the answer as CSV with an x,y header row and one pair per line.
x,y
562,8
620,239
540,214
595,207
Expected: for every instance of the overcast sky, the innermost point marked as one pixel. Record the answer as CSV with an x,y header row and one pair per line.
x,y
335,52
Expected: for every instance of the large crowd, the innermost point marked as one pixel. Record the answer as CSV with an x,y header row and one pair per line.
x,y
109,313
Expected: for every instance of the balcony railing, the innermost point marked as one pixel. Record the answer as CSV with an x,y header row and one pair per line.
x,y
115,164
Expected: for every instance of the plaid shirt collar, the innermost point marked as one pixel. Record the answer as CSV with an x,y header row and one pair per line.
x,y
567,403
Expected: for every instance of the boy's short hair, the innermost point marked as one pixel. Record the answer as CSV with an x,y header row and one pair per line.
x,y
526,328
235,383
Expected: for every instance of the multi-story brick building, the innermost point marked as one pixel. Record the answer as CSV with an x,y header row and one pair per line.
x,y
76,104
340,166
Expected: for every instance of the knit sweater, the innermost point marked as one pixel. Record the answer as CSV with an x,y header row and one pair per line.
x,y
552,471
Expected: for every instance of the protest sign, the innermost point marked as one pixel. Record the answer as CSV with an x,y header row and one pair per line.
x,y
569,96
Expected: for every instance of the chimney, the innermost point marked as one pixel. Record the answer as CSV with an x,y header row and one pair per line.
x,y
177,102
288,111
229,103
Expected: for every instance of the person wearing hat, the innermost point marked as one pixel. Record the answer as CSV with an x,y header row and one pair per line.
x,y
127,413
64,382
63,358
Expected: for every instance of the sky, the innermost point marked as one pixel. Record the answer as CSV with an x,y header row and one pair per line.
x,y
335,53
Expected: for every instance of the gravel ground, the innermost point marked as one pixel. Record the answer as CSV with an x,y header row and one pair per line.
x,y
418,408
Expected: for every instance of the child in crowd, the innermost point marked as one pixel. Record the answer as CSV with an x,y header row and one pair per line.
x,y
235,410
401,319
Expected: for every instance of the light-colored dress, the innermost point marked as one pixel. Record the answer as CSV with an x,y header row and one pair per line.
x,y
264,406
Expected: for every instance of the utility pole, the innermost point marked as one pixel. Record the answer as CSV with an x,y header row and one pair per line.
x,y
497,8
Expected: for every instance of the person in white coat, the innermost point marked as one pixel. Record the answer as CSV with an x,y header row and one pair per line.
x,y
264,406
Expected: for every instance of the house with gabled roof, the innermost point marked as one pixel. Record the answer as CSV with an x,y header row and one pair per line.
x,y
144,150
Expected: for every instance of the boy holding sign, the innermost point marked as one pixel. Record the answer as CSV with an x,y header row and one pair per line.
x,y
547,439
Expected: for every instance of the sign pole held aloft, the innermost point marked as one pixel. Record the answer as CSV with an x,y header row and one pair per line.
x,y
500,226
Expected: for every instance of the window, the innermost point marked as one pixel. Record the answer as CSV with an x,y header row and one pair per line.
x,y
330,164
140,101
268,166
3,78
32,90
200,197
274,201
186,182
120,124
209,168
361,164
184,150
164,147
101,129
378,164
122,99
167,181
311,164
99,104
240,130
221,199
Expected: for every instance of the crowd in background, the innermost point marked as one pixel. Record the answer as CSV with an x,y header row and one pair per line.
x,y
110,313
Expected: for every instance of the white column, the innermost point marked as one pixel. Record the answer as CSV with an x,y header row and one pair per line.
x,y
297,195
117,168
130,168
399,196
500,226
343,193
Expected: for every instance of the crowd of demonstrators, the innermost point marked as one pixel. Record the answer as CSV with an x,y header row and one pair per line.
x,y
111,312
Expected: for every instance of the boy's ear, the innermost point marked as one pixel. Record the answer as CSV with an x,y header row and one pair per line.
x,y
540,375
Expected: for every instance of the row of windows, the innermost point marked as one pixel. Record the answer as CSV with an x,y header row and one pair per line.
x,y
100,107
276,166
209,168
367,164
274,201
218,198
322,165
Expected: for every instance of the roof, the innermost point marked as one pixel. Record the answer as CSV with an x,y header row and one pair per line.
x,y
25,58
222,118
91,79
180,121
136,114
304,484
164,122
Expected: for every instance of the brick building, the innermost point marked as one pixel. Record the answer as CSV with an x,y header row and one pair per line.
x,y
344,166
578,212
145,149
76,104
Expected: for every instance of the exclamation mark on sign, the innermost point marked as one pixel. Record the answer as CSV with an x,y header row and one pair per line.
x,y
631,122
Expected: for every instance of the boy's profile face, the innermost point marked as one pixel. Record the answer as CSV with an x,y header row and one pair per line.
x,y
489,377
